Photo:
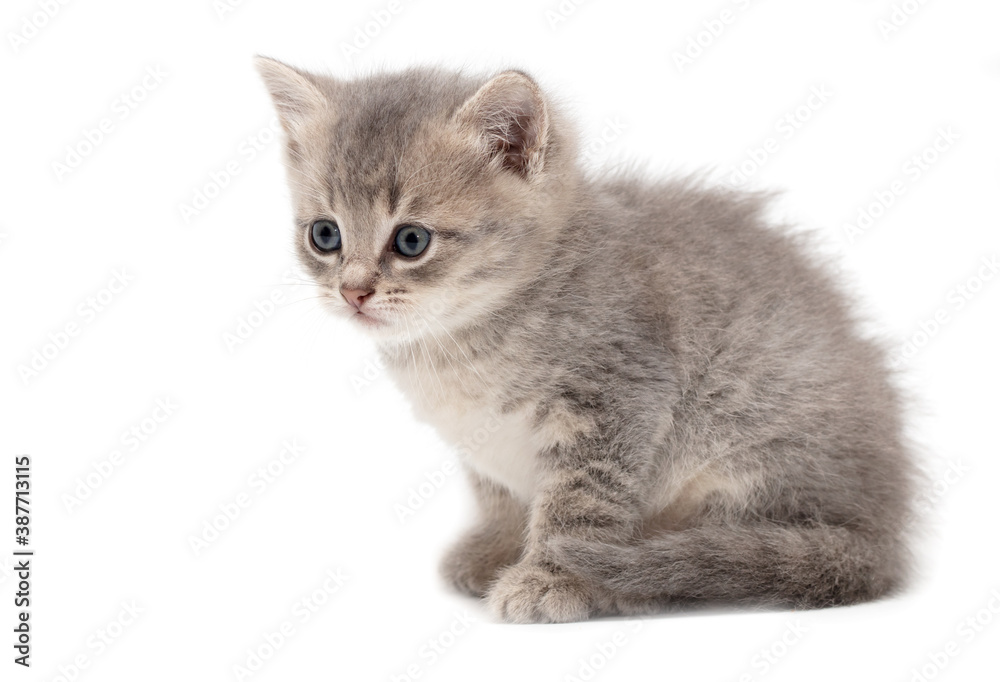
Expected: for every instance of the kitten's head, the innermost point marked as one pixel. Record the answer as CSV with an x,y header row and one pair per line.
x,y
424,200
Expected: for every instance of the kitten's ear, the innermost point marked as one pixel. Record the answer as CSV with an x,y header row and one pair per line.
x,y
296,95
510,117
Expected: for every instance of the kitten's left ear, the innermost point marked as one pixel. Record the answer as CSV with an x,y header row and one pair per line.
x,y
510,117
296,95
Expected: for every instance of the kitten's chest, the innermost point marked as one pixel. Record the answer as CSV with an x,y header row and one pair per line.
x,y
499,447
464,407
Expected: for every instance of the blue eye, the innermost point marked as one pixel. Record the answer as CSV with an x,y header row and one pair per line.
x,y
411,240
326,235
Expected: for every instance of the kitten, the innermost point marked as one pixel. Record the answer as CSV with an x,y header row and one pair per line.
x,y
676,403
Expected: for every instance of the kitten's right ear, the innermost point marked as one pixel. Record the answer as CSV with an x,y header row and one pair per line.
x,y
296,95
509,115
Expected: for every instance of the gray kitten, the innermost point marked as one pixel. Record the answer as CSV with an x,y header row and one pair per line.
x,y
679,405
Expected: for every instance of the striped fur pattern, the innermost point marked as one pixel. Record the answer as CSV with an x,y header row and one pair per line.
x,y
663,399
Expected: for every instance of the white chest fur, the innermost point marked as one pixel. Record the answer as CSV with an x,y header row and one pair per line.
x,y
501,448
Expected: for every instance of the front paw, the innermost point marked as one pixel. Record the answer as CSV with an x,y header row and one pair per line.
x,y
529,593
474,561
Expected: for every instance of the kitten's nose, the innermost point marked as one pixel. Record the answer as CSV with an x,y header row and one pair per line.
x,y
356,297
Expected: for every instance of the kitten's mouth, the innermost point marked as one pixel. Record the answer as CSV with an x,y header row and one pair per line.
x,y
366,319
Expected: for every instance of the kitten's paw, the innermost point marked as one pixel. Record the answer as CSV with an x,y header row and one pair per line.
x,y
462,572
527,593
472,563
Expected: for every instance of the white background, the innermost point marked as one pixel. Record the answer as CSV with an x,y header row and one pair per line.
x,y
300,376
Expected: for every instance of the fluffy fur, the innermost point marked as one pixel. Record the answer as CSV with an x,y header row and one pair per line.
x,y
682,408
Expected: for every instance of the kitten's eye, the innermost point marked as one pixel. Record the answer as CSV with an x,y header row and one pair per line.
x,y
326,235
411,240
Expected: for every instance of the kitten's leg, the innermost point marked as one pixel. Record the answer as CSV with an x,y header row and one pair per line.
x,y
590,493
496,541
761,563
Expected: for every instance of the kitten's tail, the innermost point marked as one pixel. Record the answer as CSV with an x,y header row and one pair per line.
x,y
765,564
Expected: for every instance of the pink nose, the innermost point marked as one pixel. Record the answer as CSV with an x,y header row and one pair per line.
x,y
356,297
